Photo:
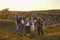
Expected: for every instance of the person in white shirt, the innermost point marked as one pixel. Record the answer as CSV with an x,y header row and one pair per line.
x,y
22,24
32,24
27,25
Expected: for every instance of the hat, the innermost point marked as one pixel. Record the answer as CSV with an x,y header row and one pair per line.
x,y
27,18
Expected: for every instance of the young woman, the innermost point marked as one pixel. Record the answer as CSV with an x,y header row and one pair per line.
x,y
27,25
32,24
39,25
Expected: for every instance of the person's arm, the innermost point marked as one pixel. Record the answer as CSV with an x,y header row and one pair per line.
x,y
42,22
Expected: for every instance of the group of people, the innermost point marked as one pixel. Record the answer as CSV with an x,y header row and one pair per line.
x,y
29,24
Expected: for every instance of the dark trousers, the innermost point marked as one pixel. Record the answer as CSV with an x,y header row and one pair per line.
x,y
22,28
18,28
27,29
40,30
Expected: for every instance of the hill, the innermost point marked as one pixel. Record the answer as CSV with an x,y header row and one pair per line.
x,y
8,32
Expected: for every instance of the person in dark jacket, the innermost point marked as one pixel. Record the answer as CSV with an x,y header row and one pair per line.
x,y
18,21
39,25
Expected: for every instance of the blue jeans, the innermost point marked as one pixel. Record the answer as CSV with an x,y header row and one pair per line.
x,y
18,28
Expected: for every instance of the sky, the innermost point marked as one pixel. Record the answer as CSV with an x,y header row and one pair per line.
x,y
29,5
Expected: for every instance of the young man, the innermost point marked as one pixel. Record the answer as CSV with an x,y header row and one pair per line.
x,y
35,19
18,23
39,25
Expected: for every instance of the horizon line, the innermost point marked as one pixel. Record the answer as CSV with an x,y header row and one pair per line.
x,y
34,10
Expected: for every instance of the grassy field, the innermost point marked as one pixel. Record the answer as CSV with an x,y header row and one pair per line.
x,y
8,32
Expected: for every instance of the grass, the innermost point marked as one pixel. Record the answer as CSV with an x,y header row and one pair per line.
x,y
8,32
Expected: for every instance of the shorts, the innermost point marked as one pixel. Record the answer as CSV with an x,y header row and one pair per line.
x,y
32,28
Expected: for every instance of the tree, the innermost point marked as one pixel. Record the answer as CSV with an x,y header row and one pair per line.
x,y
5,13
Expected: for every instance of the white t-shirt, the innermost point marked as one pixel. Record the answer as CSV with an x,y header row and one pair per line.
x,y
22,21
32,26
35,21
27,24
